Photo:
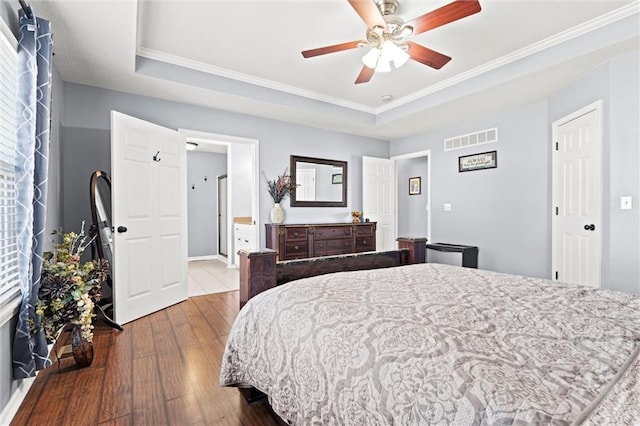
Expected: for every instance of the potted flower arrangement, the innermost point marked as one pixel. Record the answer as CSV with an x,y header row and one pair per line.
x,y
279,189
69,291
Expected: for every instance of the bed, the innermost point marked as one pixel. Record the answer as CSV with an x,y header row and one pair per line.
x,y
425,343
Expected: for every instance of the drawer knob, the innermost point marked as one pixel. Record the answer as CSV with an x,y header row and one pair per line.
x,y
296,247
364,242
295,234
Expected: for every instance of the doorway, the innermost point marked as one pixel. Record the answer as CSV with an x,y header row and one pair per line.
x,y
415,202
242,178
577,196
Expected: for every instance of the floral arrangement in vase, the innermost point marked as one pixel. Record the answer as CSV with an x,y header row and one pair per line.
x,y
69,290
280,187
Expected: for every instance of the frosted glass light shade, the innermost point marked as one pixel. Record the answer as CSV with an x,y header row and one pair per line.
x,y
381,58
370,59
391,52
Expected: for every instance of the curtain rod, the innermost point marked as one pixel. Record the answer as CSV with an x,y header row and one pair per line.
x,y
26,8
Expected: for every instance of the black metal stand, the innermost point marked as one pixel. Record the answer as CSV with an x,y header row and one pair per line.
x,y
469,253
105,304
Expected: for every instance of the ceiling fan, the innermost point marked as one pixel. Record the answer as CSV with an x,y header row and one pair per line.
x,y
387,35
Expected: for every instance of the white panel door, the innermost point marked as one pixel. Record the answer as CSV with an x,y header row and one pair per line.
x,y
148,164
305,184
378,199
577,182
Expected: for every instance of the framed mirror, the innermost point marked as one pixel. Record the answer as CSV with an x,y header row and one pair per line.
x,y
319,182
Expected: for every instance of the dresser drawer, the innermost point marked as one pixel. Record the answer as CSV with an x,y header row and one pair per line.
x,y
331,232
295,250
364,231
365,244
295,234
344,245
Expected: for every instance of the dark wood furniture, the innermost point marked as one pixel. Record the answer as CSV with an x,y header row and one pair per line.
x,y
469,253
260,271
315,240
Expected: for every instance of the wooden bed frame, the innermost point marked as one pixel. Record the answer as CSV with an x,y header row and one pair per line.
x,y
259,271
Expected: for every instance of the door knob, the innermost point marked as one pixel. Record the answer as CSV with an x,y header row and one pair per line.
x,y
591,227
122,229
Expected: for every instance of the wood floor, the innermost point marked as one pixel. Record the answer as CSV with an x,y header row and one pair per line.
x,y
163,369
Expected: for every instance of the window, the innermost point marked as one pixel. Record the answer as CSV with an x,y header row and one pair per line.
x,y
9,276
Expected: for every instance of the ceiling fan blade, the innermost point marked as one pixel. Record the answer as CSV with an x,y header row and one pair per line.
x,y
365,75
369,13
331,49
448,13
427,56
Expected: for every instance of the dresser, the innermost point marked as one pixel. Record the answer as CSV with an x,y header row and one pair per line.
x,y
321,239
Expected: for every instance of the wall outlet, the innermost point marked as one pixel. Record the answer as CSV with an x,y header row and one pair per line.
x,y
447,207
626,202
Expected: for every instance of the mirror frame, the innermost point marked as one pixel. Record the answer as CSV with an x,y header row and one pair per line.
x,y
295,159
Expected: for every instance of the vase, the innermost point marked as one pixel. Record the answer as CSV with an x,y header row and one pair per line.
x,y
277,213
81,348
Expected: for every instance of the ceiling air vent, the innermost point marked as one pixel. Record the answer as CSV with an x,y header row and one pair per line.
x,y
471,139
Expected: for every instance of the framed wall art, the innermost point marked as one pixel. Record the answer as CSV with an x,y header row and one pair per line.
x,y
414,186
484,160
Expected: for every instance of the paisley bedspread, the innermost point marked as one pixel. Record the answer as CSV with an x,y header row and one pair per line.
x,y
438,344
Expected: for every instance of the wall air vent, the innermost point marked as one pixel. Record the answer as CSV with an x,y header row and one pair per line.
x,y
471,139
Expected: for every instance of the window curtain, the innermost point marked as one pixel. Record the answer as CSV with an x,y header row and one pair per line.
x,y
34,90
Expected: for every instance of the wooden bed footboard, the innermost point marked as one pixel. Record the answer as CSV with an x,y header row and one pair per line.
x,y
259,270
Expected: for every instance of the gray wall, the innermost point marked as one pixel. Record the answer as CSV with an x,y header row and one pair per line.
x,y
488,209
617,83
507,211
86,120
202,201
83,151
412,213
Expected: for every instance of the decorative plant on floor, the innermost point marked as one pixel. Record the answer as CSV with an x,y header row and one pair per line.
x,y
69,290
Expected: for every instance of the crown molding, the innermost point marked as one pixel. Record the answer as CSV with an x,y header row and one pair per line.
x,y
246,78
587,27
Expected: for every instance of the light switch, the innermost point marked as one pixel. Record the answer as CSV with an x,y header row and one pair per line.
x,y
626,202
447,207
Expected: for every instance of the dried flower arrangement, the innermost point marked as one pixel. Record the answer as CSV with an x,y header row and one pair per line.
x,y
69,290
281,187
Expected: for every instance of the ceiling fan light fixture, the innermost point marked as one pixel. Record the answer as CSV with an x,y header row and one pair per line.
x,y
406,31
381,58
392,53
370,59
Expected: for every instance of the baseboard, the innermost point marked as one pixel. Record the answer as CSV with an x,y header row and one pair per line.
x,y
209,257
10,410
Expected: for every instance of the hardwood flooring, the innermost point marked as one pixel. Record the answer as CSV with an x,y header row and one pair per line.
x,y
163,369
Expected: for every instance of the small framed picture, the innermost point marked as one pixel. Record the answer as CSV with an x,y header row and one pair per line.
x,y
336,178
414,186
